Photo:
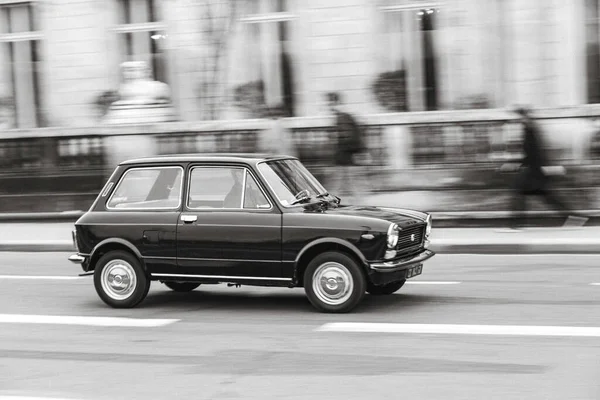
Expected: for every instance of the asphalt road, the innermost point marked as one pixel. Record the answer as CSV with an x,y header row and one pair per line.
x,y
256,343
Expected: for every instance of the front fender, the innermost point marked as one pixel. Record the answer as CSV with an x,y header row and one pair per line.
x,y
324,242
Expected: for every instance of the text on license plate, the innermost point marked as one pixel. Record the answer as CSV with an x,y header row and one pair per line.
x,y
414,271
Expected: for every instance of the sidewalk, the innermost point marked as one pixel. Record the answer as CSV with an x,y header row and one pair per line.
x,y
56,237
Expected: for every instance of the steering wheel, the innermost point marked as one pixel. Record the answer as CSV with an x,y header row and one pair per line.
x,y
300,196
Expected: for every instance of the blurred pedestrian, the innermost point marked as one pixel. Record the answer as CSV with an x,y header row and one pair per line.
x,y
531,179
276,139
350,151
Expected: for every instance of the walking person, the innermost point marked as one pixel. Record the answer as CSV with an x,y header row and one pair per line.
x,y
277,139
349,142
531,177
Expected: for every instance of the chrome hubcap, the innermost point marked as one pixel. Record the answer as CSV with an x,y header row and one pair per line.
x,y
118,279
333,283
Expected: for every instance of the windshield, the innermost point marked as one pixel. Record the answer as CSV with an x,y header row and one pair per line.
x,y
287,178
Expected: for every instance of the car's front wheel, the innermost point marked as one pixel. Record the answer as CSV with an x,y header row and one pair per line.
x,y
387,289
334,283
181,286
120,280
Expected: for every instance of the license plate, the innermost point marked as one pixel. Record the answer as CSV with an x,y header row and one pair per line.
x,y
414,271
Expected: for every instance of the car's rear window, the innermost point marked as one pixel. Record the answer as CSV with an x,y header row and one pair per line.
x,y
148,188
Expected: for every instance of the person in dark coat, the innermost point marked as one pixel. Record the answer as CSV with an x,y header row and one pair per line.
x,y
349,145
531,177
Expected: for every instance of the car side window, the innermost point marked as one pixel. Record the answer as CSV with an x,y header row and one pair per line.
x,y
254,198
216,187
223,188
148,188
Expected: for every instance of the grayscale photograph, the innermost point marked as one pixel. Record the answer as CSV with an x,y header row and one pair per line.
x,y
299,199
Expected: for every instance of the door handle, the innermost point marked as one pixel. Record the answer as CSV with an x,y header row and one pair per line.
x,y
189,218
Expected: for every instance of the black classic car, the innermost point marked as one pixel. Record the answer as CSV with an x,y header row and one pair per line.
x,y
242,219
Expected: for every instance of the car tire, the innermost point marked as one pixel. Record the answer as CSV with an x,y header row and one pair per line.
x,y
386,289
181,287
330,296
120,280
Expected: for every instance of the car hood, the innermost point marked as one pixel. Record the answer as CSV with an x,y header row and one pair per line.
x,y
400,216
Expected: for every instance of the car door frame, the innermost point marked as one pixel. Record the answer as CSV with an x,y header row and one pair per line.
x,y
155,240
231,269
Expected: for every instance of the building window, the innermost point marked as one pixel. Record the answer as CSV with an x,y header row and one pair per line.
x,y
142,35
267,30
592,26
409,56
20,70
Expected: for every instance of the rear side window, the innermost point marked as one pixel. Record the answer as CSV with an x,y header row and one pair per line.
x,y
148,188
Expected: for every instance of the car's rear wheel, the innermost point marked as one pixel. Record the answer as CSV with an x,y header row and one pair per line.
x,y
386,289
182,286
120,280
334,283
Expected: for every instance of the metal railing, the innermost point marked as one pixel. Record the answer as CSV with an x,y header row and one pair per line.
x,y
430,139
77,160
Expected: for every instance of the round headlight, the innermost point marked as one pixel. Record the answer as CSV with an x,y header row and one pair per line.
x,y
429,223
392,236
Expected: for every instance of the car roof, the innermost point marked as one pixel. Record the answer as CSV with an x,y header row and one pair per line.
x,y
251,158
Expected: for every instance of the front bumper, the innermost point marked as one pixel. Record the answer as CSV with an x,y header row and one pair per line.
x,y
77,259
382,273
81,259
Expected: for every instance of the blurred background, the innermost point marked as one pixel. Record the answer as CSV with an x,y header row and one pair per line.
x,y
86,84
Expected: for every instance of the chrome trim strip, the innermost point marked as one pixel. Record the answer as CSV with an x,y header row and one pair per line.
x,y
222,277
227,260
244,188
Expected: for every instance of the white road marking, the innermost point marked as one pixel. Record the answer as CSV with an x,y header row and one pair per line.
x,y
501,255
31,398
595,284
432,283
461,329
85,321
38,277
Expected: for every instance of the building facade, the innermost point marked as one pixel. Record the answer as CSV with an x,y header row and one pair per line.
x,y
228,59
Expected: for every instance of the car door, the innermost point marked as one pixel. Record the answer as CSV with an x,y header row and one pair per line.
x,y
229,227
145,207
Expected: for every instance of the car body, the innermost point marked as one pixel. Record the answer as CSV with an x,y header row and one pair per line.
x,y
242,219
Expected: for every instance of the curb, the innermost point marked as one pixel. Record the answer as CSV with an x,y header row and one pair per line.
x,y
65,216
522,249
37,247
445,247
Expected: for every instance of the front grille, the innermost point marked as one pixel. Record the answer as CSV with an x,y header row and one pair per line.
x,y
410,237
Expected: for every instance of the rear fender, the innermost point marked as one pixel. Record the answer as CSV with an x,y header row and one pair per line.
x,y
113,244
